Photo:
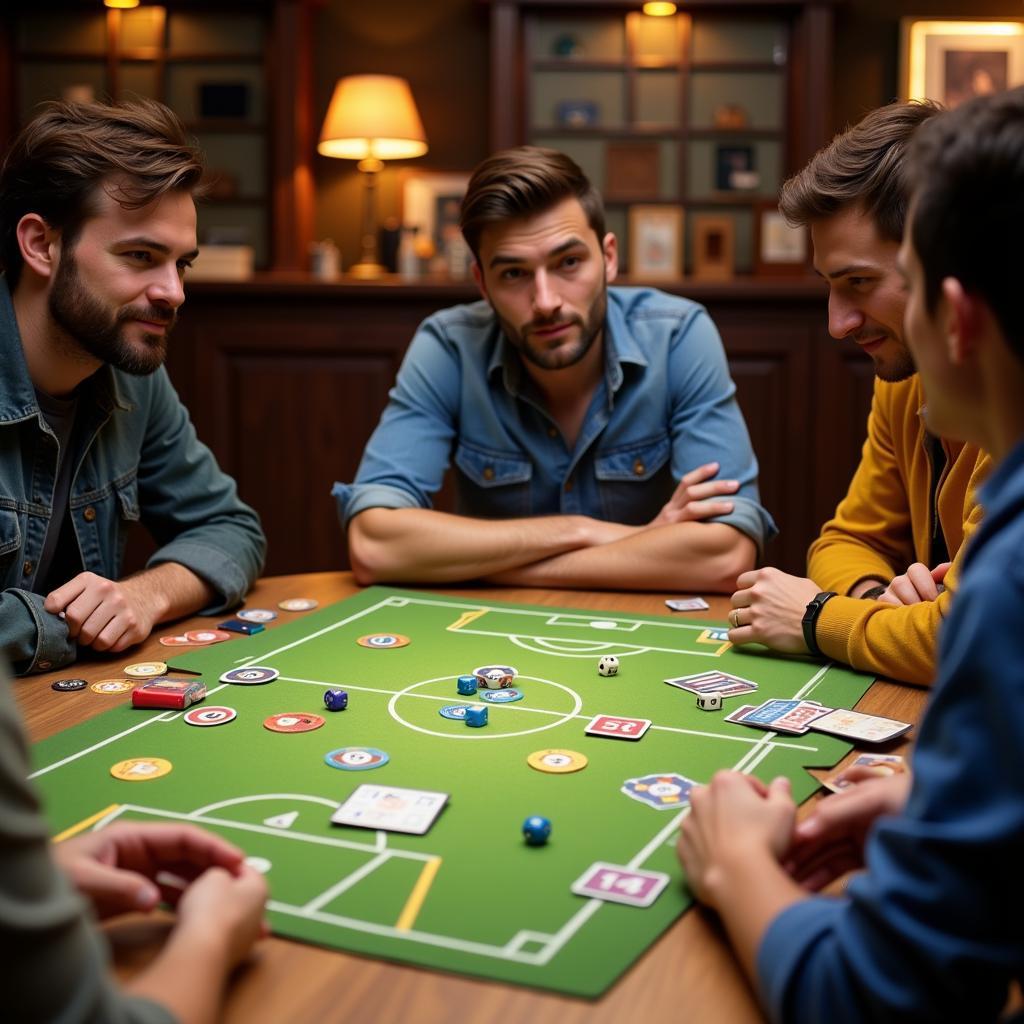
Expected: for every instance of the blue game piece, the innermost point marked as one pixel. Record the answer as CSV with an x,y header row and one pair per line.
x,y
336,700
467,685
476,716
536,830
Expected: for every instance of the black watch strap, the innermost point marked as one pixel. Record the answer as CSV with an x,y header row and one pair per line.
x,y
874,593
810,620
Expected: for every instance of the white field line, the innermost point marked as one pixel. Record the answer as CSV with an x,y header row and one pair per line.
x,y
347,882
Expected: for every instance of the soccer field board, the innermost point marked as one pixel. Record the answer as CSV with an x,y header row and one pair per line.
x,y
469,895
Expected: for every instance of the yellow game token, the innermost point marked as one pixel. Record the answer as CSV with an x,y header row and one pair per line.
x,y
109,686
140,769
145,669
557,762
383,641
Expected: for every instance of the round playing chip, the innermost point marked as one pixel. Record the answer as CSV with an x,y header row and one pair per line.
x,y
356,759
67,685
176,641
383,641
110,686
256,615
252,675
495,677
140,769
557,762
298,604
207,636
456,712
501,696
293,721
211,715
145,669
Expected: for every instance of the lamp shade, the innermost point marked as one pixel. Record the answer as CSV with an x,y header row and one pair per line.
x,y
372,116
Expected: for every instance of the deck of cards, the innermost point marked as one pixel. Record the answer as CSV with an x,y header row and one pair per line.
x,y
800,716
720,683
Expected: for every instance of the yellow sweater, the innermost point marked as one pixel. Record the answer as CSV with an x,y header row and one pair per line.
x,y
883,524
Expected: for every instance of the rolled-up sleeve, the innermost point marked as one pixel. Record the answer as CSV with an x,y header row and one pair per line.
x,y
32,639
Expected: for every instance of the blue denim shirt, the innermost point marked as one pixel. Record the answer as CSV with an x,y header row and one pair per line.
x,y
666,405
138,459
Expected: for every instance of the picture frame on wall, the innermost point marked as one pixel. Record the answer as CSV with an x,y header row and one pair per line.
x,y
431,201
951,61
714,247
778,247
735,168
656,242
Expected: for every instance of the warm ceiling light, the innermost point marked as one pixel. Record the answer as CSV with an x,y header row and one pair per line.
x,y
121,5
659,8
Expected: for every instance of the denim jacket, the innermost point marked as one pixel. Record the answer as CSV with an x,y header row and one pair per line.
x,y
665,405
138,459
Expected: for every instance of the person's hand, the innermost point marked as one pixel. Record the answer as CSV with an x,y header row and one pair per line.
x,y
917,584
224,908
103,614
830,842
117,867
732,815
691,499
768,608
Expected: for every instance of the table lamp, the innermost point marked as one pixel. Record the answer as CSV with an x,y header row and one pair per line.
x,y
372,118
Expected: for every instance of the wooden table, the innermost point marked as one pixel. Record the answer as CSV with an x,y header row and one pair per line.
x,y
689,975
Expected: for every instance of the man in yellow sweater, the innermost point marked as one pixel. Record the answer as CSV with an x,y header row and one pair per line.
x,y
884,569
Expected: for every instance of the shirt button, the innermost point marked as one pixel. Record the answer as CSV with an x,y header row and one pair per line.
x,y
488,472
89,514
639,468
27,567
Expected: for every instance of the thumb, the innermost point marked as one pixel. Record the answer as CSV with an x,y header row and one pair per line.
x,y
939,572
780,790
114,890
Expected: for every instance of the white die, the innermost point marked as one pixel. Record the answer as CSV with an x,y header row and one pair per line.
x,y
709,701
608,665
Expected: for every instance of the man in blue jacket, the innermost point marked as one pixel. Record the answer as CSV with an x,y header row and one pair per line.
x,y
97,228
594,431
933,928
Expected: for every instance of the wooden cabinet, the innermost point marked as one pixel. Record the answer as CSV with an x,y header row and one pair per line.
x,y
286,377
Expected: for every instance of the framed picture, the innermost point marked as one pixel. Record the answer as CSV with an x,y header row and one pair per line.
x,y
656,242
431,202
577,113
778,248
714,247
632,170
952,61
735,170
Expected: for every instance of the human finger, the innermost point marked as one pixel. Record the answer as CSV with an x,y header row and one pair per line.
x,y
939,572
920,576
701,473
58,600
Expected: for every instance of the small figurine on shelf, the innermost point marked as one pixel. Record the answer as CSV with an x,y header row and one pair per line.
x,y
567,45
325,260
730,117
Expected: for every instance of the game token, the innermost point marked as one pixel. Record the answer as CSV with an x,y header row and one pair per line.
x,y
383,641
112,686
176,641
536,830
466,685
294,721
67,685
501,696
213,715
476,716
495,677
335,700
356,759
256,615
207,636
456,712
296,604
620,884
252,675
608,666
240,626
140,769
662,792
557,762
145,669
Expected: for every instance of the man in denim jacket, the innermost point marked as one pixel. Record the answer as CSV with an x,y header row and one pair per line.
x,y
595,433
97,227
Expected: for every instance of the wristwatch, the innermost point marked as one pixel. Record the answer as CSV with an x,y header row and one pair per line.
x,y
810,620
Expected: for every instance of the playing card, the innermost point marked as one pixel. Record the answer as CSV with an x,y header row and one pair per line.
x,y
688,604
857,726
879,764
714,682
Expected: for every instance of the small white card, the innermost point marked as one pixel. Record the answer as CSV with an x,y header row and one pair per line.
x,y
857,726
390,808
618,884
687,604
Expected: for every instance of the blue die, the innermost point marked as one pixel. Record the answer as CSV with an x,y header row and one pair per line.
x,y
467,685
336,700
476,716
536,830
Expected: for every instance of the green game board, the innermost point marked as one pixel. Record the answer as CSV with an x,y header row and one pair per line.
x,y
469,896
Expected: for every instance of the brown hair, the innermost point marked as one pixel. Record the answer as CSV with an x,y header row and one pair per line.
x,y
522,182
863,166
67,151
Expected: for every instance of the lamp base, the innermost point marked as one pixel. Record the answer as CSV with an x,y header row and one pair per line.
x,y
367,271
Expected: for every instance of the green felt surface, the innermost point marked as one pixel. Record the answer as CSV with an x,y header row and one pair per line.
x,y
495,907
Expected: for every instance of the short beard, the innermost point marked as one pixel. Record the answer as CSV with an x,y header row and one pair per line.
x,y
558,358
98,331
897,370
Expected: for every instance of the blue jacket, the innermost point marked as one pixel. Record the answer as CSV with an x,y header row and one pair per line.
x,y
138,459
665,406
933,930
